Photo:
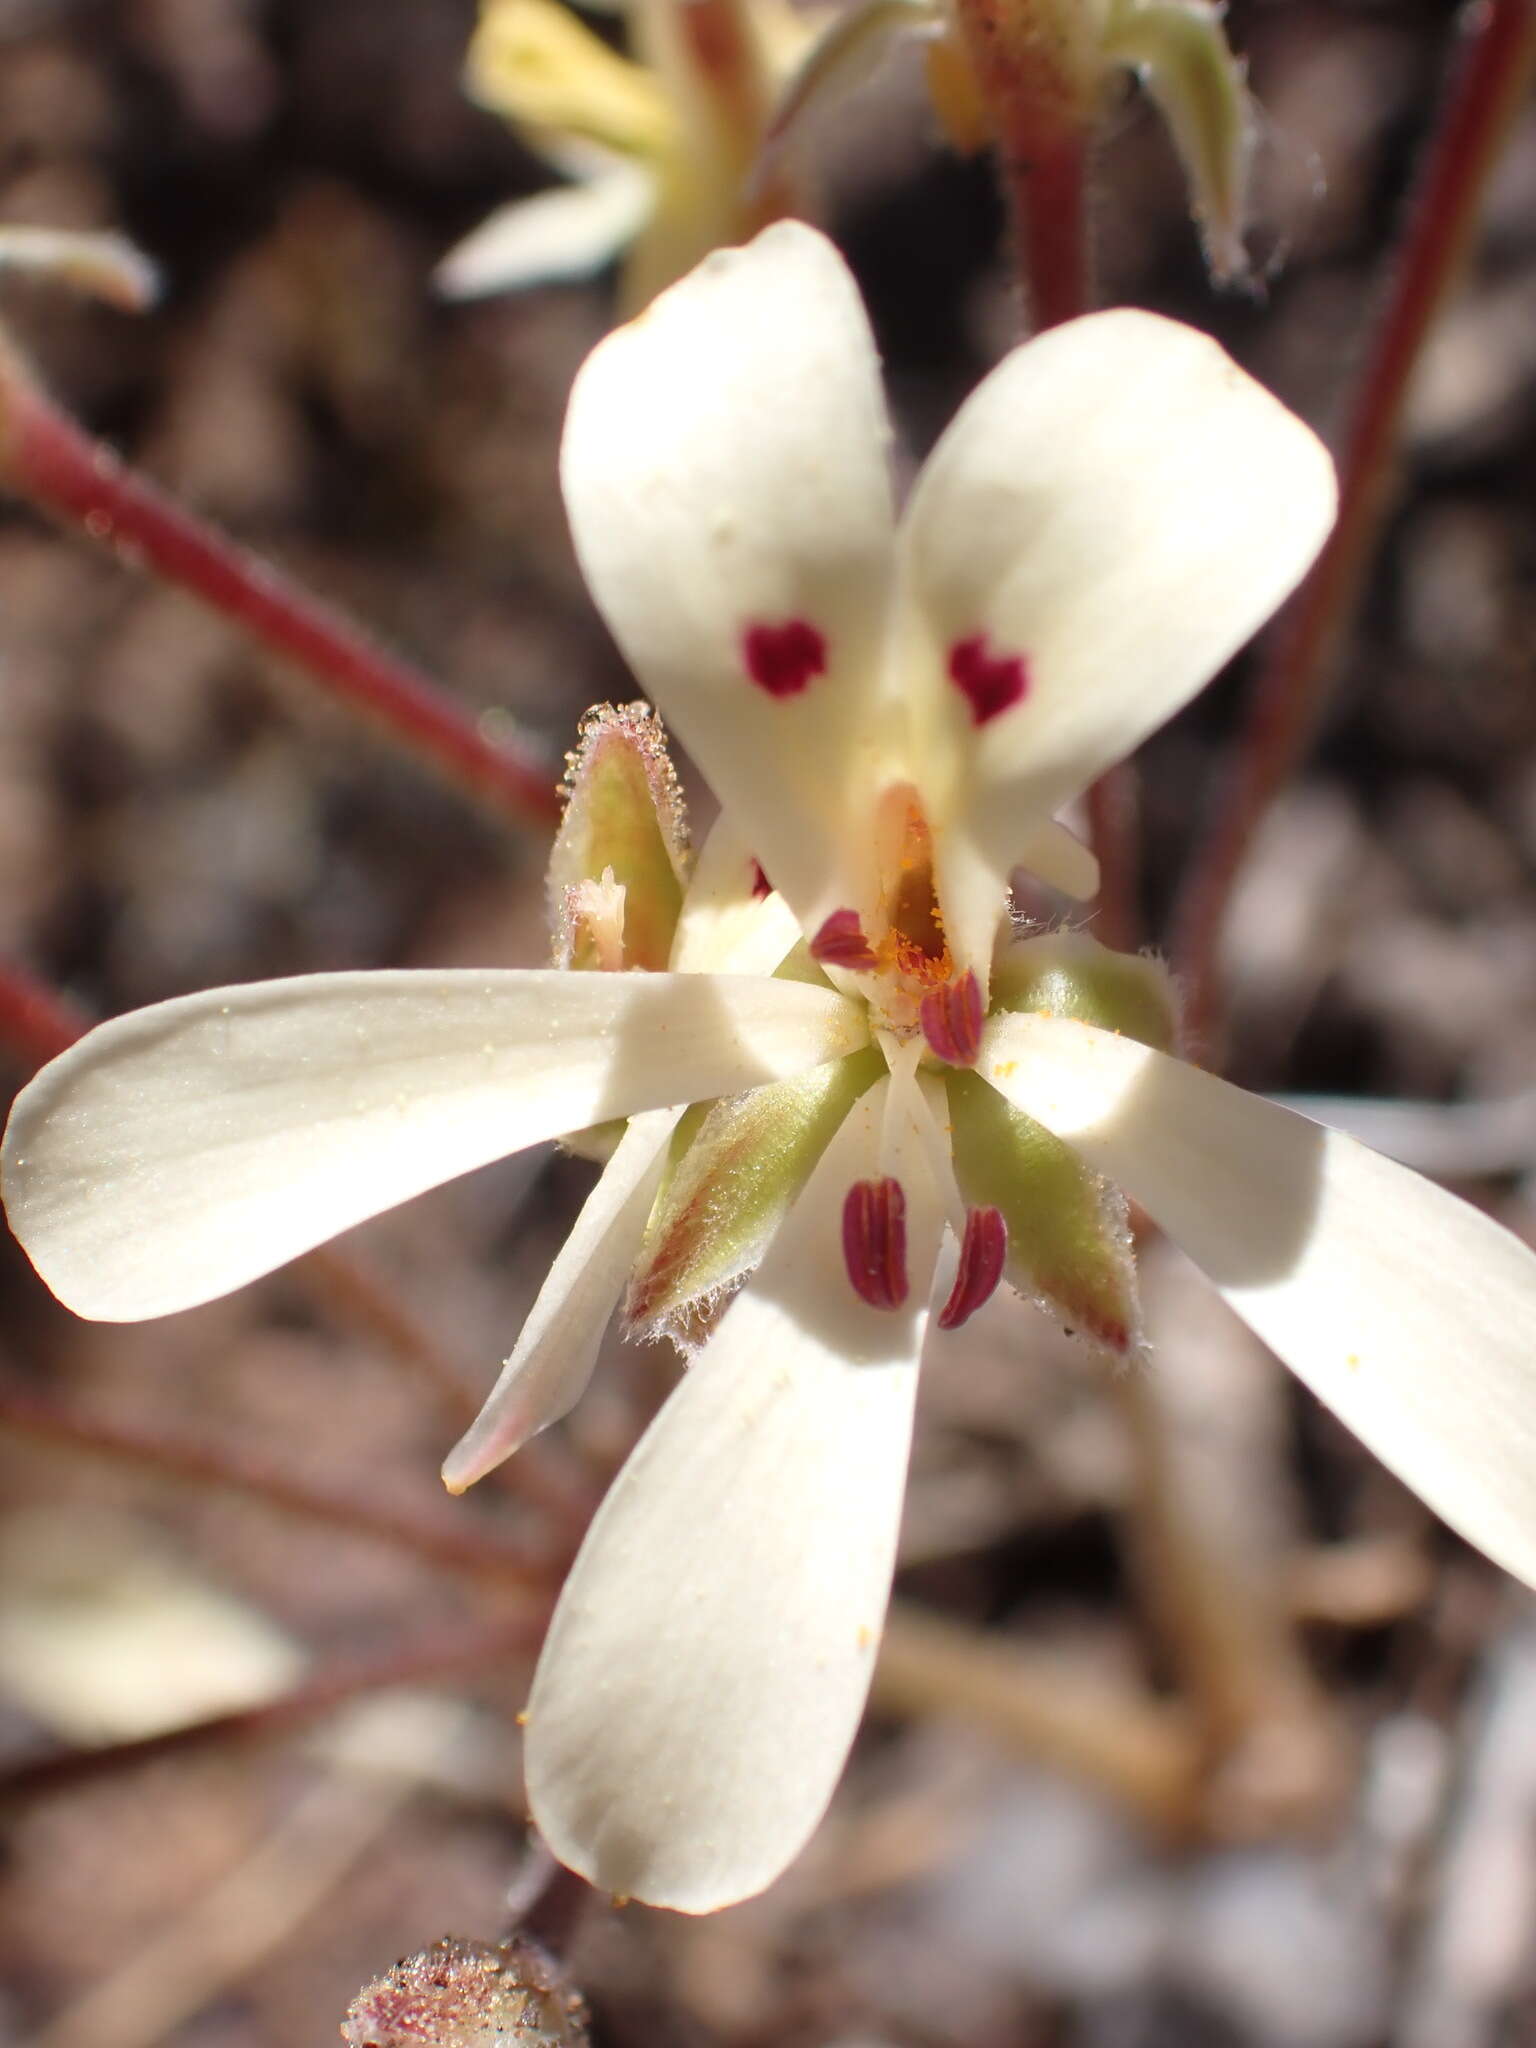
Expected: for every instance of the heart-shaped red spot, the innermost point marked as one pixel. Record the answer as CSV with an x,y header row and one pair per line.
x,y
783,659
991,683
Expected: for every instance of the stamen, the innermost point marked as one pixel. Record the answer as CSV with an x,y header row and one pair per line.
x,y
951,1018
783,659
991,683
875,1241
841,943
982,1252
761,886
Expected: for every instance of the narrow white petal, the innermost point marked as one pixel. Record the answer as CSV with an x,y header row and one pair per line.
x,y
1410,1313
1109,518
178,1152
726,479
557,1347
555,237
707,1665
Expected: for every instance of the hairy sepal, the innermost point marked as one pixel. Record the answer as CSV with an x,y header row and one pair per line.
x,y
1069,1244
619,862
737,1166
1068,974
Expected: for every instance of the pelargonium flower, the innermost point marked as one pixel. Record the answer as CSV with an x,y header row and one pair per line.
x,y
657,151
841,1107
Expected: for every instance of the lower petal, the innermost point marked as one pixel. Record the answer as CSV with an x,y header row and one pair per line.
x,y
1405,1309
707,1666
175,1154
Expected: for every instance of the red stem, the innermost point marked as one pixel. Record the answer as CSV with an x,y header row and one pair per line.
x,y
1496,58
48,460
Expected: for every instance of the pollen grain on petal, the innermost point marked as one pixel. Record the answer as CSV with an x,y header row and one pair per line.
x,y
990,683
875,1241
841,943
951,1019
783,659
983,1250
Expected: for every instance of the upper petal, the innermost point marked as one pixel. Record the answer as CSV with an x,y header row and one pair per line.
x,y
181,1151
708,1662
1110,516
725,474
1406,1310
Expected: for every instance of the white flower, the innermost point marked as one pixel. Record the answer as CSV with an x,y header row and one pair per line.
x,y
890,711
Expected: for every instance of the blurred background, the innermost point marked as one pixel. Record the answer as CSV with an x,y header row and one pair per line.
x,y
1279,1796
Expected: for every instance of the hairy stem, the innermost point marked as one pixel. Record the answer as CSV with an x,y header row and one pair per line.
x,y
1498,49
49,461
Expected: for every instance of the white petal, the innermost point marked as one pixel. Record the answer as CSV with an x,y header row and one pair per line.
x,y
557,1347
1116,509
1059,857
725,475
178,1152
555,237
1406,1310
726,926
708,1662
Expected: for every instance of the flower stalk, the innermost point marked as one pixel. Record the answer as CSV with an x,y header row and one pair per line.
x,y
52,463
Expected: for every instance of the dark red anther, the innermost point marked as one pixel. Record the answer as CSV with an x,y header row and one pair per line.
x,y
875,1241
991,683
841,943
982,1252
951,1018
783,659
761,886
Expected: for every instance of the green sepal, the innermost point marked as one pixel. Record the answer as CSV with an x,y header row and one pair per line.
x,y
736,1167
1069,1244
619,861
1179,50
1067,974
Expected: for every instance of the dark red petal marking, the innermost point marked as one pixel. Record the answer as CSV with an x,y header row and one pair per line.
x,y
875,1241
951,1018
783,659
990,682
982,1252
761,886
841,943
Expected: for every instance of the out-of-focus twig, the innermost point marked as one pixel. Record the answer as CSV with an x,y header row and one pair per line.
x,y
1142,1754
458,1547
49,461
446,1653
1495,64
228,1929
